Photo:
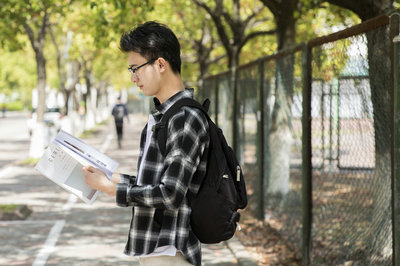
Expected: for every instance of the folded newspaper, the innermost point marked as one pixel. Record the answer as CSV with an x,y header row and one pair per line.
x,y
63,160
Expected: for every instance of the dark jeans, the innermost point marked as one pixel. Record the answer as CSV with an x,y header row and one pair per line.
x,y
119,128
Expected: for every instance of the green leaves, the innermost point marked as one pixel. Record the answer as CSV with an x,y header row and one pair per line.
x,y
95,27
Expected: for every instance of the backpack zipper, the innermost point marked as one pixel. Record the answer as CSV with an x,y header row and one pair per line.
x,y
238,173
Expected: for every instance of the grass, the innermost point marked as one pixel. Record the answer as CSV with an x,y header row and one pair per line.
x,y
93,131
29,162
8,207
88,133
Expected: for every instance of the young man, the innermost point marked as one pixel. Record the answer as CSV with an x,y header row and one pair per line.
x,y
160,232
119,111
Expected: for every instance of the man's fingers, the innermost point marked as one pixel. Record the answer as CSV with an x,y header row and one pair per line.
x,y
93,170
89,168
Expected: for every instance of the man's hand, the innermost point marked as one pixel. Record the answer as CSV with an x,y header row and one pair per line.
x,y
97,179
116,178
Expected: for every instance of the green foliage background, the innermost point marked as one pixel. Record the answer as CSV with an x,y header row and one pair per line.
x,y
96,27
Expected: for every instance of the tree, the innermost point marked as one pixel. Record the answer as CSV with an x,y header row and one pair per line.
x,y
67,81
280,136
234,32
288,16
17,73
201,48
90,31
32,18
379,62
199,32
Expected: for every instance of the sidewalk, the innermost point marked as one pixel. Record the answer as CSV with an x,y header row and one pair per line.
x,y
65,231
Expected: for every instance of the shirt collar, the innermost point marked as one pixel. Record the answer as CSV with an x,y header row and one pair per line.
x,y
161,108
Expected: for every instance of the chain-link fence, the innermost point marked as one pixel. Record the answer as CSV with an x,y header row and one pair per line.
x,y
320,169
262,106
351,189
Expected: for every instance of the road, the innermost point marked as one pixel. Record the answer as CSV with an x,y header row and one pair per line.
x,y
14,138
63,230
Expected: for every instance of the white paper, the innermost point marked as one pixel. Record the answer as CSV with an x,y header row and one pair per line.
x,y
63,160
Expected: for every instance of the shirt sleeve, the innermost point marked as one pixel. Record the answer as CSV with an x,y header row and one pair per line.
x,y
122,189
186,142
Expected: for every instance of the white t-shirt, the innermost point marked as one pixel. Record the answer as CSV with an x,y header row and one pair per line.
x,y
164,250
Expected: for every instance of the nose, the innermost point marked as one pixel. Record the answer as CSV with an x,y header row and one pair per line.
x,y
134,78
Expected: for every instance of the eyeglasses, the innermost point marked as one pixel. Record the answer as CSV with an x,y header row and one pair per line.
x,y
133,70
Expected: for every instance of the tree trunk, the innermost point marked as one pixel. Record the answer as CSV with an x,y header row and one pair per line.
x,y
88,97
280,136
41,82
39,141
379,53
234,64
379,47
67,95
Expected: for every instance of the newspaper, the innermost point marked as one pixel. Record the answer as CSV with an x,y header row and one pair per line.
x,y
63,160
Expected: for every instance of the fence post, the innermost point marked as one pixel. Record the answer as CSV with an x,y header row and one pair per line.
x,y
306,156
260,142
216,104
394,30
233,86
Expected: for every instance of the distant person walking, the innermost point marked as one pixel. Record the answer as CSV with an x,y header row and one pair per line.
x,y
119,111
4,110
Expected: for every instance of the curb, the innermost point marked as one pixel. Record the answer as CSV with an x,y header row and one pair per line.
x,y
239,252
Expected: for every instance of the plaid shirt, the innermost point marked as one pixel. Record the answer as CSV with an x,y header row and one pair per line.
x,y
160,208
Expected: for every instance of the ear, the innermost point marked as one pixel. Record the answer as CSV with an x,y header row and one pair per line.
x,y
162,64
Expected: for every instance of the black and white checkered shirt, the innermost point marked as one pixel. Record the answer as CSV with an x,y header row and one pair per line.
x,y
160,208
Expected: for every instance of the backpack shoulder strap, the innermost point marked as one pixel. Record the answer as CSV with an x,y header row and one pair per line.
x,y
161,128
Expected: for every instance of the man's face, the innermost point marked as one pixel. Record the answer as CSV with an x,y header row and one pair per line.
x,y
147,76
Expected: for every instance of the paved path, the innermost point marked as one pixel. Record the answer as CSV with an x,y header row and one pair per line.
x,y
65,231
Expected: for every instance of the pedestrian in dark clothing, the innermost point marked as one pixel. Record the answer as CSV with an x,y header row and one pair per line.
x,y
160,232
119,111
4,110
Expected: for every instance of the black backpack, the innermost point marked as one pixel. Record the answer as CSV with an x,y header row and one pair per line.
x,y
119,112
214,209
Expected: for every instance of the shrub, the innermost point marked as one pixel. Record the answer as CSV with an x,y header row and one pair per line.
x,y
13,106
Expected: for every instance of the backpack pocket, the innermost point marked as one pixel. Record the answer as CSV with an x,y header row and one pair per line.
x,y
213,218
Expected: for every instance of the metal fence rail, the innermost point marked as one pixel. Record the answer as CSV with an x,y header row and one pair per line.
x,y
313,133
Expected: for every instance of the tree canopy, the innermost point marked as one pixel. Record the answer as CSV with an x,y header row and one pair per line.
x,y
88,33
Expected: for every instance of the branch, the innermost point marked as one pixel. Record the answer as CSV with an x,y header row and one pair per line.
x,y
231,22
216,17
53,40
272,5
215,60
31,35
256,34
42,32
352,5
203,5
59,65
256,11
189,58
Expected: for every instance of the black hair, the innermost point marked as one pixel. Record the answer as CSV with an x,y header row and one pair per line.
x,y
153,40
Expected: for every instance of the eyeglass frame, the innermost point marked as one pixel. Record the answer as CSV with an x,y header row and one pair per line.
x,y
133,70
